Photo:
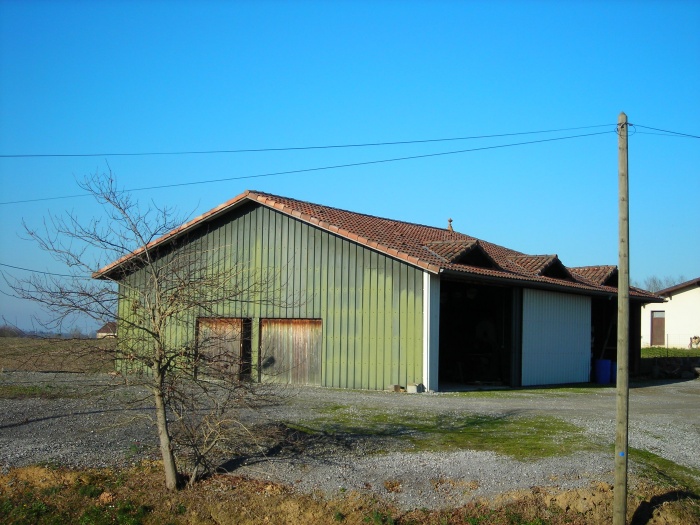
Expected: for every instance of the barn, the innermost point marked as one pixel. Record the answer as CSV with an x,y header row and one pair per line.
x,y
365,302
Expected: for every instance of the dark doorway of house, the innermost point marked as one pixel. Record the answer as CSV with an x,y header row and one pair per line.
x,y
476,324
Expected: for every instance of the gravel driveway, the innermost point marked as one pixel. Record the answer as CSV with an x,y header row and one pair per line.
x,y
109,429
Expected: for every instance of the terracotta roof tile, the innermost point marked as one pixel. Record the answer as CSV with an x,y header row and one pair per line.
x,y
428,247
533,263
597,274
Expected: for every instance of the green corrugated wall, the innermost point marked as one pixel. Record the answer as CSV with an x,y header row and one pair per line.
x,y
371,305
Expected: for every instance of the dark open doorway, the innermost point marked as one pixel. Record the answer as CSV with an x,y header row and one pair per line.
x,y
246,366
476,335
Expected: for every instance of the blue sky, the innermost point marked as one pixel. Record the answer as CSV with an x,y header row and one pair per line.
x,y
106,77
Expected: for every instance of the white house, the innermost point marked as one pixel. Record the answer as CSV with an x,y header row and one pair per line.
x,y
675,322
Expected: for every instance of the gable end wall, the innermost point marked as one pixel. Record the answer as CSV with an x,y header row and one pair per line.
x,y
371,306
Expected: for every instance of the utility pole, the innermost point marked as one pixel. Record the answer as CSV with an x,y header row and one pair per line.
x,y
623,299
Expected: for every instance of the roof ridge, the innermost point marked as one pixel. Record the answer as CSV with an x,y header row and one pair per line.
x,y
280,197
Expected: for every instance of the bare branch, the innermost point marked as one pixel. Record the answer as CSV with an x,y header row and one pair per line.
x,y
198,379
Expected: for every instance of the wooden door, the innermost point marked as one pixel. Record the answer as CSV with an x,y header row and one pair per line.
x,y
290,350
223,346
658,328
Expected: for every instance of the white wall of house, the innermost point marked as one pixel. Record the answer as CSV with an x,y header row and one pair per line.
x,y
556,338
431,330
682,317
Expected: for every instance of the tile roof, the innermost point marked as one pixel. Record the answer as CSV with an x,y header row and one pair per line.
x,y
434,249
597,274
671,290
536,264
450,250
108,328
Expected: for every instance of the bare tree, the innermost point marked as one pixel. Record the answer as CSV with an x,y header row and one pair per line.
x,y
655,283
160,295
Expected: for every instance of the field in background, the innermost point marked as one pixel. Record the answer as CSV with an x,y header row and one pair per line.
x,y
34,354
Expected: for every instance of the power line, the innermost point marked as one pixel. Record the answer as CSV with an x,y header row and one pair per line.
x,y
632,134
320,168
42,272
666,131
293,148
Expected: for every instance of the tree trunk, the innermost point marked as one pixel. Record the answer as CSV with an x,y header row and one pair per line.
x,y
166,449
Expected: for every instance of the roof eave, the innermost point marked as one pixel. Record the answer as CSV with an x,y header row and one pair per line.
x,y
540,285
249,196
104,273
693,283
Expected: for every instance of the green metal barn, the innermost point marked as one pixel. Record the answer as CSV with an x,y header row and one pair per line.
x,y
343,299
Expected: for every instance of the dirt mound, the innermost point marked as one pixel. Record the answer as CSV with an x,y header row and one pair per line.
x,y
225,499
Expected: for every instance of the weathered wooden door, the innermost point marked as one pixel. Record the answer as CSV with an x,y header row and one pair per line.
x,y
658,328
290,350
223,346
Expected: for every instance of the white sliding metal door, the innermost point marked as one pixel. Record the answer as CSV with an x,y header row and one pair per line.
x,y
556,338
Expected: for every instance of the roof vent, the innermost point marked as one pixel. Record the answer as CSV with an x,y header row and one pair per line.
x,y
449,225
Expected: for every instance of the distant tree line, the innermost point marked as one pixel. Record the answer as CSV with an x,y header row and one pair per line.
x,y
11,331
655,283
7,330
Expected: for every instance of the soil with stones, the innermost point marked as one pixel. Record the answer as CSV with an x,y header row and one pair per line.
x,y
94,420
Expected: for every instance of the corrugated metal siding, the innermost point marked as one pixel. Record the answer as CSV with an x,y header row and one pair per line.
x,y
556,338
371,306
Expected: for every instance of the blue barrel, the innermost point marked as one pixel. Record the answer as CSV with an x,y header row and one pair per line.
x,y
602,371
613,372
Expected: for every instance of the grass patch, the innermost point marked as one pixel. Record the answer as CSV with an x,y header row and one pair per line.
x,y
667,473
677,488
519,437
124,513
559,391
660,351
512,435
34,391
